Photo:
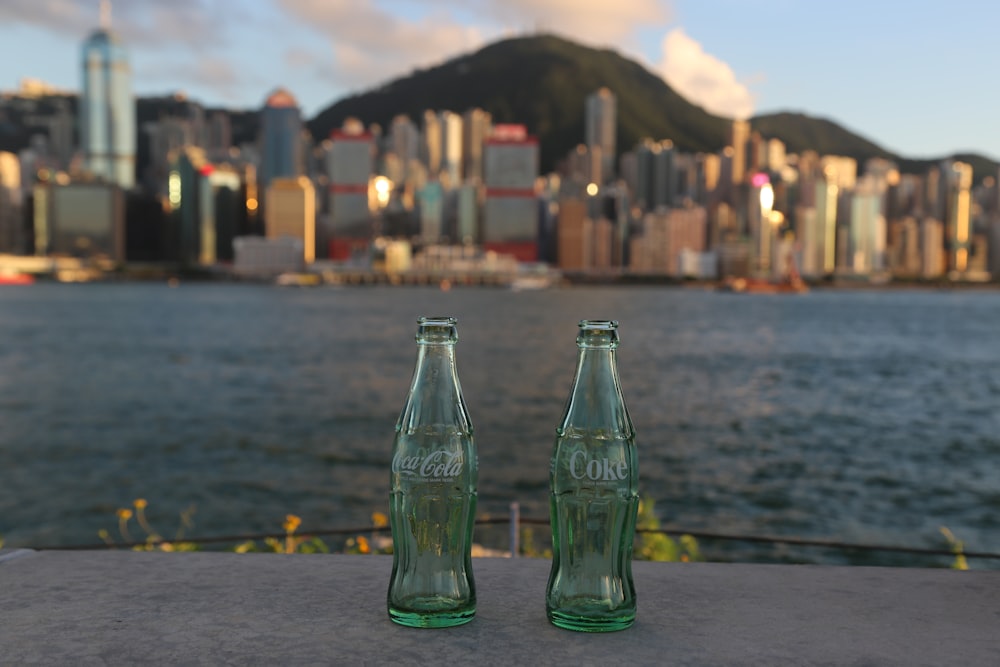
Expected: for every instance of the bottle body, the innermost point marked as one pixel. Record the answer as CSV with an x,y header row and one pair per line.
x,y
593,496
432,496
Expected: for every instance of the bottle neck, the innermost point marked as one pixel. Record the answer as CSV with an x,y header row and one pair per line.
x,y
596,406
435,397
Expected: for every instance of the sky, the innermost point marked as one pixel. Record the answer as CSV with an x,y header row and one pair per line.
x,y
919,78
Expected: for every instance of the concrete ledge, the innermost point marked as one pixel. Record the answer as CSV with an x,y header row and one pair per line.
x,y
121,607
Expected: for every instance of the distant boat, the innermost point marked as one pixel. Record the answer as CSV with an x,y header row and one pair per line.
x,y
16,278
298,279
790,283
761,286
528,283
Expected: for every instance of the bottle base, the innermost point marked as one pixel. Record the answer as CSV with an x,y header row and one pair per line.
x,y
430,619
568,620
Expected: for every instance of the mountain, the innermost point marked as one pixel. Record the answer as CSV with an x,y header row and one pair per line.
x,y
543,80
800,132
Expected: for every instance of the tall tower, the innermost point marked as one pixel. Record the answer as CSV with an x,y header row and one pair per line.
x,y
601,127
739,134
956,184
281,154
107,110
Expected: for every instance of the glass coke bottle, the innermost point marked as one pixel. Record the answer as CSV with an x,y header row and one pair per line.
x,y
594,494
433,490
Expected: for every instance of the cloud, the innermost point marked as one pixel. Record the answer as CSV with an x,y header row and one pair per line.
x,y
370,45
142,25
702,78
598,22
60,15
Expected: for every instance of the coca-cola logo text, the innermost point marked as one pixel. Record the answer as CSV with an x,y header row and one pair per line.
x,y
596,470
439,464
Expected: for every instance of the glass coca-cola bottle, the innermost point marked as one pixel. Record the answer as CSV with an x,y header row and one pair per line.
x,y
594,494
433,490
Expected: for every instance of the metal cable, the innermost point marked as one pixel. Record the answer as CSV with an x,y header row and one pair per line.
x,y
491,521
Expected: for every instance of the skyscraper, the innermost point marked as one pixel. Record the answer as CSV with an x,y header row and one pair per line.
x,y
12,237
739,134
451,147
601,127
956,183
291,212
282,154
107,110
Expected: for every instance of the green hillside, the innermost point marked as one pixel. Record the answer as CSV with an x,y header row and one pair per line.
x,y
543,80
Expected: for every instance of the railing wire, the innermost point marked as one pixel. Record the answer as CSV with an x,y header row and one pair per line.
x,y
515,521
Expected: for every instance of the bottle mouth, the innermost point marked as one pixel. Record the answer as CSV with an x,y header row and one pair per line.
x,y
437,330
598,333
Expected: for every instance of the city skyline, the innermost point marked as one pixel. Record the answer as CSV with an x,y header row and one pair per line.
x,y
881,81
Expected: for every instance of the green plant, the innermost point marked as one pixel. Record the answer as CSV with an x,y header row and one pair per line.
x,y
290,544
660,546
376,544
153,541
957,548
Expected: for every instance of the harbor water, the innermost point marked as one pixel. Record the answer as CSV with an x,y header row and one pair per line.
x,y
866,416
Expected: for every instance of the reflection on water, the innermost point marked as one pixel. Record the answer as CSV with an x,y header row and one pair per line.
x,y
861,416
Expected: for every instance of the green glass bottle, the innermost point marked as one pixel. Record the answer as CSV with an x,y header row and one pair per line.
x,y
594,494
433,490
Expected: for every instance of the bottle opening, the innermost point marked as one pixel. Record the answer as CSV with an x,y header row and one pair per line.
x,y
598,333
437,330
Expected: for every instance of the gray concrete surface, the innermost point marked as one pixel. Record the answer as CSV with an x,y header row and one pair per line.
x,y
128,608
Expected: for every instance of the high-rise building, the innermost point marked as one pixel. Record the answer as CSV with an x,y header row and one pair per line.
x,y
867,237
451,148
107,109
281,146
350,165
656,174
510,213
932,248
826,226
430,199
840,171
665,235
12,236
404,139
601,129
956,184
430,146
192,233
574,232
739,134
291,212
476,127
84,220
226,186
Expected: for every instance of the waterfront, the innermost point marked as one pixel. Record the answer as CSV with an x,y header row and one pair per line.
x,y
864,416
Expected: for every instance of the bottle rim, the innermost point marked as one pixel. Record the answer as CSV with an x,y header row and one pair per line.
x,y
437,330
598,325
598,334
437,321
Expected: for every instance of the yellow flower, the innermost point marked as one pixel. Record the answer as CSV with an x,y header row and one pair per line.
x,y
140,503
379,520
363,545
124,514
292,523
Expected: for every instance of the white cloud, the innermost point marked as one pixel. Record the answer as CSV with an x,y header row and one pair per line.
x,y
702,78
370,45
372,41
597,22
60,15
